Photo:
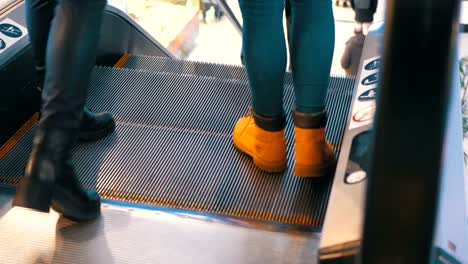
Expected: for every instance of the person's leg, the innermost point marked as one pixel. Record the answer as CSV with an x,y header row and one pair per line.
x,y
39,15
358,28
370,16
218,12
50,177
264,48
261,134
364,13
312,45
366,27
204,7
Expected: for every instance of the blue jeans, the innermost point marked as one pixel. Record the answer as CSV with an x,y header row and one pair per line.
x,y
312,40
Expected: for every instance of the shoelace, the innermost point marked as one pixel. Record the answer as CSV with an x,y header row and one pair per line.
x,y
250,112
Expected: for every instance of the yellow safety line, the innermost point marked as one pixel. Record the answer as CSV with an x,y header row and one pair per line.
x,y
122,60
11,143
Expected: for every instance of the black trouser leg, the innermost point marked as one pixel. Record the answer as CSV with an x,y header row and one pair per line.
x,y
70,53
39,15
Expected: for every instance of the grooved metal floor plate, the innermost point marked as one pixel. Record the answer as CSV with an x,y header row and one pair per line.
x,y
194,68
124,235
172,148
163,64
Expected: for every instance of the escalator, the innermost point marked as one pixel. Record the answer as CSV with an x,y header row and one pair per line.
x,y
174,188
173,148
171,157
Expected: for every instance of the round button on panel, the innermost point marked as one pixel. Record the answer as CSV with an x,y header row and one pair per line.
x,y
356,177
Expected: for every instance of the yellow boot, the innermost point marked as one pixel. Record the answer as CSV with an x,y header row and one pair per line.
x,y
267,148
313,154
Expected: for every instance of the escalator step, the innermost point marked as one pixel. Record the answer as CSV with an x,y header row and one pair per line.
x,y
172,148
192,102
164,64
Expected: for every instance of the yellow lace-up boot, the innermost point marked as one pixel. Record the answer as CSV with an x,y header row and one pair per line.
x,y
313,154
262,138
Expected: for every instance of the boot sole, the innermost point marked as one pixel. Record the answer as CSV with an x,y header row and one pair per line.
x,y
304,171
74,211
97,135
269,167
33,194
77,218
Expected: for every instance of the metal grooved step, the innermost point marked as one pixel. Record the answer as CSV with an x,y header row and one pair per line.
x,y
172,148
164,64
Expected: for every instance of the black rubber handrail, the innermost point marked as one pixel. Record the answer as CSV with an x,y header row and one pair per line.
x,y
9,4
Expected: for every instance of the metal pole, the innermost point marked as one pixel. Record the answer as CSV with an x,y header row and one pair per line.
x,y
403,186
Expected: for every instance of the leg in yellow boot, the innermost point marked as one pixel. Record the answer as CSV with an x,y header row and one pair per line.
x,y
266,144
313,154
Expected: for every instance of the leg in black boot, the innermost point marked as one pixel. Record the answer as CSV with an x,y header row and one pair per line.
x,y
40,14
50,177
71,200
95,126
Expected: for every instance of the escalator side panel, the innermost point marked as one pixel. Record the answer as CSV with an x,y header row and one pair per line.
x,y
345,212
18,100
120,34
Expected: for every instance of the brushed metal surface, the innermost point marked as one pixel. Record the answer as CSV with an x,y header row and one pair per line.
x,y
130,235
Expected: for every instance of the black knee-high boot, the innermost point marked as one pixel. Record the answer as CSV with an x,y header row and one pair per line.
x,y
50,178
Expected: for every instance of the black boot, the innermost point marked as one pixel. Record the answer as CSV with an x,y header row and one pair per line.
x,y
72,201
39,16
94,126
36,187
51,180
